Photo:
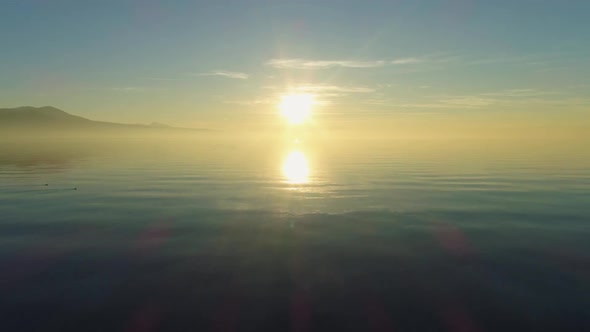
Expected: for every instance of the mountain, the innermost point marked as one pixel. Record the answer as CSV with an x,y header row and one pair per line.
x,y
31,116
53,119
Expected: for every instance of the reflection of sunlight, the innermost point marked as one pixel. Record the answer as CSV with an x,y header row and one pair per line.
x,y
296,108
295,168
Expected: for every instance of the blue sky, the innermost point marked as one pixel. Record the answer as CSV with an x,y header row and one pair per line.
x,y
193,62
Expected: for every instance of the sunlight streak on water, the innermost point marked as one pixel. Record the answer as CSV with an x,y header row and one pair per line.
x,y
296,168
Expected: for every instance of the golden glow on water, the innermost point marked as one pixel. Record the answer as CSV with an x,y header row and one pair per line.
x,y
296,108
296,168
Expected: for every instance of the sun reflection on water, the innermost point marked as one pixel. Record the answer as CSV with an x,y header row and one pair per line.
x,y
296,168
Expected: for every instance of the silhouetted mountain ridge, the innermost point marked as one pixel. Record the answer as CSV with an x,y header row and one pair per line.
x,y
49,117
28,115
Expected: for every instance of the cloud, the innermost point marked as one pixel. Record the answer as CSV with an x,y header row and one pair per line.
x,y
259,101
497,60
229,74
333,89
323,64
509,97
320,89
520,93
467,102
534,59
324,93
406,61
297,63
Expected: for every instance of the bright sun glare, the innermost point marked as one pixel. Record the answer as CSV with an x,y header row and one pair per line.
x,y
296,108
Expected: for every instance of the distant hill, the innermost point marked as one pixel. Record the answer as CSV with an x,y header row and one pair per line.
x,y
51,119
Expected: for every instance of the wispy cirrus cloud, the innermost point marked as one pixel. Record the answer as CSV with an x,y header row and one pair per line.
x,y
486,99
496,60
520,93
509,98
541,60
323,64
324,93
407,61
297,63
466,102
319,89
460,102
228,74
251,102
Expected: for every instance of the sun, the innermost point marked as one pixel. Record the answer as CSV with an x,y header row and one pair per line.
x,y
296,108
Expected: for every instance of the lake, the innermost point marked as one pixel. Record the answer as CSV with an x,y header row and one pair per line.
x,y
316,234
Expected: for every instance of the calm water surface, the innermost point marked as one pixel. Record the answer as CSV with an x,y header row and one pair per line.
x,y
251,236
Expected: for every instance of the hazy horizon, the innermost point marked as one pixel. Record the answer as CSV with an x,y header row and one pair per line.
x,y
403,126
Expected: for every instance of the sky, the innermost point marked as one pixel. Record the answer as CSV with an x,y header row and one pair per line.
x,y
371,64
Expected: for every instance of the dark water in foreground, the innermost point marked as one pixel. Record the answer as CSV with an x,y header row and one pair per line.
x,y
404,236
